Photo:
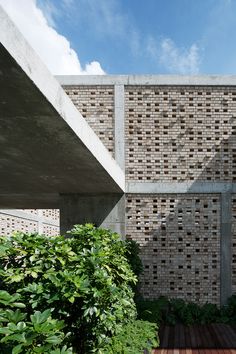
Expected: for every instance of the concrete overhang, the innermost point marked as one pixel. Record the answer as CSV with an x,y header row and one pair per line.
x,y
147,80
46,146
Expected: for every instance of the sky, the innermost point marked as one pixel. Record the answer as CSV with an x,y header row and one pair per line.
x,y
130,36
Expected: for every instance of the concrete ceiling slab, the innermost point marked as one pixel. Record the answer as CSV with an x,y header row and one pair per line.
x,y
46,146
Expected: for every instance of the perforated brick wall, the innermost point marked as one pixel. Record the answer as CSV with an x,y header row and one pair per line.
x,y
172,134
10,224
234,243
180,133
96,104
30,211
52,214
179,237
44,221
50,230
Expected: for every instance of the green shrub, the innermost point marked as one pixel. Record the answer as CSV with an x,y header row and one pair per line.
x,y
174,311
153,310
84,280
228,313
134,338
21,333
132,255
210,313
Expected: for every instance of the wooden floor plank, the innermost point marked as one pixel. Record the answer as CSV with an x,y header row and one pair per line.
x,y
187,337
222,335
201,336
232,333
177,336
165,338
192,334
216,343
188,351
161,332
197,335
182,351
206,339
181,336
171,338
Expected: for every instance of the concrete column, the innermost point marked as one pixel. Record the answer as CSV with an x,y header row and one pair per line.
x,y
40,222
119,107
105,210
226,248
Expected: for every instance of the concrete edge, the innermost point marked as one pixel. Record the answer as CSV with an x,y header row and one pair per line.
x,y
162,80
30,201
181,187
31,64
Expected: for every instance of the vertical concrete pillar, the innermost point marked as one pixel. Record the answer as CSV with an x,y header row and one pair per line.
x,y
226,247
119,125
105,210
40,222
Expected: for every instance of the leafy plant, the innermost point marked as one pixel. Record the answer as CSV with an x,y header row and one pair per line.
x,y
20,333
153,310
132,255
228,313
134,338
84,279
210,313
173,311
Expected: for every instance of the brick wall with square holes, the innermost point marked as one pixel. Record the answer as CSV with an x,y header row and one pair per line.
x,y
10,224
180,133
48,225
174,134
179,237
96,104
234,243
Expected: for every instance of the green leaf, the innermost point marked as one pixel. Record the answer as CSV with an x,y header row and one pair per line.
x,y
17,349
14,316
5,296
34,274
54,340
19,304
21,325
40,317
16,278
16,337
71,299
5,330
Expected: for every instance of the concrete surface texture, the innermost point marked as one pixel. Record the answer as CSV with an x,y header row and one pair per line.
x,y
46,145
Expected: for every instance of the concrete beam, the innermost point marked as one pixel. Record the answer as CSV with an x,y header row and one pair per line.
x,y
181,187
103,210
46,145
226,248
30,201
162,80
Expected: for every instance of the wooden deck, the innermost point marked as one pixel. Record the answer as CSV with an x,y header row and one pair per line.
x,y
204,339
194,351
